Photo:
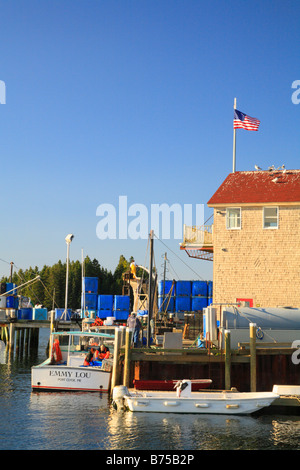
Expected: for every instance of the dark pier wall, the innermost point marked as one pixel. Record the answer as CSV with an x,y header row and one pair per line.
x,y
270,370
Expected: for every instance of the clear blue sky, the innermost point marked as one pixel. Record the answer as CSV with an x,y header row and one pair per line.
x,y
135,97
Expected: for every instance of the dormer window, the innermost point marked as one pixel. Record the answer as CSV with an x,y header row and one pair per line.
x,y
270,217
233,218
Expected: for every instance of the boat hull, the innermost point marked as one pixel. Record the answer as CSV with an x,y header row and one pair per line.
x,y
200,402
66,378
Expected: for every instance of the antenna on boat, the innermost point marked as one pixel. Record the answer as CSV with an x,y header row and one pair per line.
x,y
82,286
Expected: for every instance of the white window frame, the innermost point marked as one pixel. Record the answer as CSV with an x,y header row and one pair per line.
x,y
238,218
277,218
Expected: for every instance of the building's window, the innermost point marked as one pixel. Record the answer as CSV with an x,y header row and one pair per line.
x,y
270,215
233,218
245,302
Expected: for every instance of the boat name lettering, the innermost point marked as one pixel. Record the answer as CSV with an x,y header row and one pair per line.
x,y
69,373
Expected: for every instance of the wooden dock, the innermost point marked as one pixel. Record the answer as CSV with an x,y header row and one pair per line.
x,y
245,369
22,336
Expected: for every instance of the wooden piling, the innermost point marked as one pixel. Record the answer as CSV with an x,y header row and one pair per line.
x,y
34,341
26,342
22,335
18,337
116,366
227,361
11,338
126,376
252,357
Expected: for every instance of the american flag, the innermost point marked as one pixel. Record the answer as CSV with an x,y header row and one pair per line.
x,y
242,121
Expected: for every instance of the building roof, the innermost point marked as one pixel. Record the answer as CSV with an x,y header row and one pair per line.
x,y
256,187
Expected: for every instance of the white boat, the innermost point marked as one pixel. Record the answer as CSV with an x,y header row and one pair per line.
x,y
70,374
183,400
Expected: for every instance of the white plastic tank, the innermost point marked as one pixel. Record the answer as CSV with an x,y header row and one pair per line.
x,y
210,321
270,318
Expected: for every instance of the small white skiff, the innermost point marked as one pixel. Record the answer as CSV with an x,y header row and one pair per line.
x,y
70,373
183,400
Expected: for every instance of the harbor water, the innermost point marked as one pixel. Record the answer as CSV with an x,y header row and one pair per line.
x,y
88,421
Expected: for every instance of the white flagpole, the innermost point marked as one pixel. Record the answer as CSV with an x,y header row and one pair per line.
x,y
234,142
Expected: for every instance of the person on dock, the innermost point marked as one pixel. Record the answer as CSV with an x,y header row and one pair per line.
x,y
134,325
133,270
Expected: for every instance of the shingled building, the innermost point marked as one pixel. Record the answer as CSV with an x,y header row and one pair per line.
x,y
256,238
254,242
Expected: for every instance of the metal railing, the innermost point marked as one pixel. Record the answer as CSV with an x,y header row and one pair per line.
x,y
198,235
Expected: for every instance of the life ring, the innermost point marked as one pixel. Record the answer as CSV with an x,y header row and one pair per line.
x,y
259,333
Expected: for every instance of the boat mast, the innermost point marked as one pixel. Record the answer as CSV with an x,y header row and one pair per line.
x,y
150,298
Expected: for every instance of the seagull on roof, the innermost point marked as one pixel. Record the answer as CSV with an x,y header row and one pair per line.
x,y
257,167
275,180
271,168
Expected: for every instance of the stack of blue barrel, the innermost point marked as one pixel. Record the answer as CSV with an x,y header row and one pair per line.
x,y
210,292
183,296
121,307
89,296
105,306
199,295
11,297
162,294
187,296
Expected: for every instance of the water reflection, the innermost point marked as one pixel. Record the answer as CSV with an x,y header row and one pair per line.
x,y
177,431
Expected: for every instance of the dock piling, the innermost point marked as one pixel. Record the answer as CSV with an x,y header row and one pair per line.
x,y
116,369
126,377
252,357
227,360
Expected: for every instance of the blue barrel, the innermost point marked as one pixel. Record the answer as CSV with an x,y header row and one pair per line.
x,y
199,288
162,306
90,285
121,314
183,304
210,292
199,303
11,288
25,314
11,301
183,288
59,312
90,301
168,285
209,288
39,314
104,313
121,302
105,302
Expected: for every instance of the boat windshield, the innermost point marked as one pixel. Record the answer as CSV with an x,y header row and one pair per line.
x,y
81,341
